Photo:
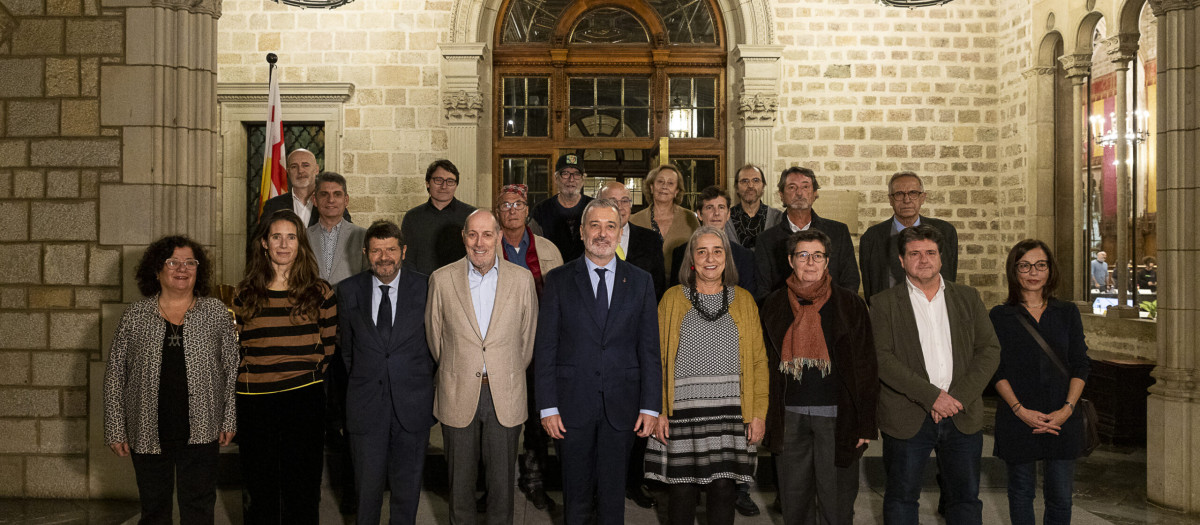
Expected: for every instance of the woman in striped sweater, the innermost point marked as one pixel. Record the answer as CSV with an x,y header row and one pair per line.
x,y
287,317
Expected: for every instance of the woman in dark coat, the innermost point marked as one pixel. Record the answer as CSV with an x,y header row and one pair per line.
x,y
1037,421
824,386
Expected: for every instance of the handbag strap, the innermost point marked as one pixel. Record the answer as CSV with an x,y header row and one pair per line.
x,y
1045,346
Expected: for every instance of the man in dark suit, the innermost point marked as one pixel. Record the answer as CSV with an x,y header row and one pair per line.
x,y
798,189
713,208
937,351
638,246
878,256
599,377
302,171
389,400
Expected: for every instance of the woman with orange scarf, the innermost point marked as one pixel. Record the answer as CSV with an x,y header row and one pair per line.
x,y
824,386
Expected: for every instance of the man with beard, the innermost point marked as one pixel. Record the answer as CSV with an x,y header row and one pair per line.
x,y
389,397
798,188
750,216
480,322
559,215
599,376
638,246
538,255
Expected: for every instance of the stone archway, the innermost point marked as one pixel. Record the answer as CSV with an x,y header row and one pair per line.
x,y
753,84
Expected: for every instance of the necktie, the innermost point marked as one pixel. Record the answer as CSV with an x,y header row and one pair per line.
x,y
601,298
383,320
620,252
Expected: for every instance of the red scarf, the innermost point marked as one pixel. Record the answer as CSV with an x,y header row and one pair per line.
x,y
531,261
804,344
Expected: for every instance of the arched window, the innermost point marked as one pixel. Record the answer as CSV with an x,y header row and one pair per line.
x,y
625,84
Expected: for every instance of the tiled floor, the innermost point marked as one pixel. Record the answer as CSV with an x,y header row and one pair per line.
x,y
1109,488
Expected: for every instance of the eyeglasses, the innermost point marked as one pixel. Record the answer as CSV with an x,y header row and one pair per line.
x,y
817,257
190,264
625,203
444,182
755,180
1025,267
911,195
518,205
570,174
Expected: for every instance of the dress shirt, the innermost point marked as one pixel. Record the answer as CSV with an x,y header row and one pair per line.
x,y
303,209
608,282
329,239
933,325
377,296
625,240
897,227
792,226
483,293
513,253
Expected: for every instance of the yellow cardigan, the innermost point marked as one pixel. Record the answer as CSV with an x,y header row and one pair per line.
x,y
753,355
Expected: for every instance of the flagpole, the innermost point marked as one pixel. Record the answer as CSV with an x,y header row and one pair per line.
x,y
272,162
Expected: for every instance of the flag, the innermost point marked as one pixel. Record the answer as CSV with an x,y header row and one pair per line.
x,y
274,175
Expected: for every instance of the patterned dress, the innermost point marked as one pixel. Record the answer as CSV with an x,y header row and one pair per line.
x,y
707,436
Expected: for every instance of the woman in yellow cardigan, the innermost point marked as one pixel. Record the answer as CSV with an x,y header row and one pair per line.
x,y
715,384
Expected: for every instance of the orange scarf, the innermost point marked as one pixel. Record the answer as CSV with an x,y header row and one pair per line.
x,y
804,344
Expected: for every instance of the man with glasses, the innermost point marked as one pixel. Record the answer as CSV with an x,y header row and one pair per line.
x,y
538,255
639,246
878,255
750,216
433,230
559,215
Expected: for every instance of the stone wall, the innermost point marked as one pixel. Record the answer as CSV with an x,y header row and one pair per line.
x,y
870,90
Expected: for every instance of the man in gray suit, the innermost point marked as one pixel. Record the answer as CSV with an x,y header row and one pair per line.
x,y
937,352
335,241
480,322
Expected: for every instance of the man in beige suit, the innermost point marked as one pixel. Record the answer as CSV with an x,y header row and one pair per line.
x,y
480,322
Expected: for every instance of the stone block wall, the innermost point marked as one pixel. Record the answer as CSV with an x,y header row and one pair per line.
x,y
54,273
393,126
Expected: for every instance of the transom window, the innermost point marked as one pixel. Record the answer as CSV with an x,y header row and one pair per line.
x,y
627,86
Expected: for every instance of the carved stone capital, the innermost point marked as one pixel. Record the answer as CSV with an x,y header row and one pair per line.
x,y
1037,71
1122,48
209,7
1180,383
758,108
1076,65
1162,7
463,107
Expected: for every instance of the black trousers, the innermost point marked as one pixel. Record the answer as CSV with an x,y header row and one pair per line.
x,y
282,439
532,463
195,466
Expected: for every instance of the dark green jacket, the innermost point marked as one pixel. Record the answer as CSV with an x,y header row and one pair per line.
x,y
906,396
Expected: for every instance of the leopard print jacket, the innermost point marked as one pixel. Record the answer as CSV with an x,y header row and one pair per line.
x,y
131,380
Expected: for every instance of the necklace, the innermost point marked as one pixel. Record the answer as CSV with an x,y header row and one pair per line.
x,y
176,335
1035,306
711,316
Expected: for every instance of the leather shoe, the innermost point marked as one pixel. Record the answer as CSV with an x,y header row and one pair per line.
x,y
537,496
640,497
746,506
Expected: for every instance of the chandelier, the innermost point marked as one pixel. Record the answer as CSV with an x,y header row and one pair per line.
x,y
1133,134
913,3
315,4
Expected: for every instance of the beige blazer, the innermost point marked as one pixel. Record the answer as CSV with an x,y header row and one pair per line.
x,y
461,352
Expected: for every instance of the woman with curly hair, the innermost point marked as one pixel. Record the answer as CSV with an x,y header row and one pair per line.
x,y
287,317
169,382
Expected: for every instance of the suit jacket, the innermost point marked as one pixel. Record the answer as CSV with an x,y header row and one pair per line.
x,y
590,371
461,352
743,260
847,329
390,377
348,255
878,254
284,202
906,396
771,257
645,252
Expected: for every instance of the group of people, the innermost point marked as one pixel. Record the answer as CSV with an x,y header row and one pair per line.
x,y
666,345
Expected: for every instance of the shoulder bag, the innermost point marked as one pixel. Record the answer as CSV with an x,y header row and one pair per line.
x,y
1091,434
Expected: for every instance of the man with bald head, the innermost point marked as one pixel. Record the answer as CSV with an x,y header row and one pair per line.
x,y
480,321
638,246
302,171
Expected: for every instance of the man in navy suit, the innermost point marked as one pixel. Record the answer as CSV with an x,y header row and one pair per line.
x,y
389,398
596,359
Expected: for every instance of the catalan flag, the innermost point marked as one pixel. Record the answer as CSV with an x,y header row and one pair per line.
x,y
274,175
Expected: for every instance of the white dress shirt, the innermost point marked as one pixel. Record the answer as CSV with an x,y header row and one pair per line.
x,y
303,209
792,225
483,293
377,296
933,325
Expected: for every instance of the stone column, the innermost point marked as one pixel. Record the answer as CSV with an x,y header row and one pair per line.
x,y
1173,408
756,84
464,84
1039,82
1078,68
1121,51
